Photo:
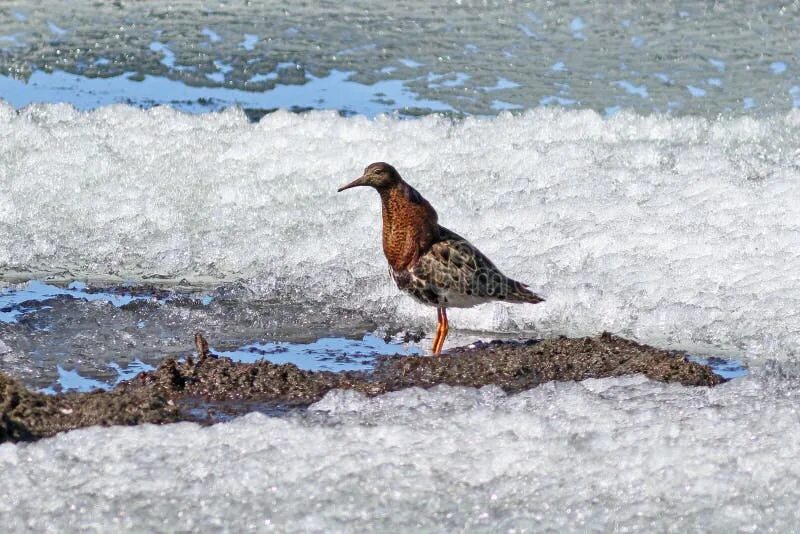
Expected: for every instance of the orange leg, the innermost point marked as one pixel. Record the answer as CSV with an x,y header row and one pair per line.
x,y
438,330
441,330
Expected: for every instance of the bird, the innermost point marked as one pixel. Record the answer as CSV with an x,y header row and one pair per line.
x,y
434,265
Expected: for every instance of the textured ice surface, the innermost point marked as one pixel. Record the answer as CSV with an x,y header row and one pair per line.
x,y
600,455
677,231
476,58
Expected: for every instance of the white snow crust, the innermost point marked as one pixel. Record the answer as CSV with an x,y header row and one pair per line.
x,y
675,231
620,454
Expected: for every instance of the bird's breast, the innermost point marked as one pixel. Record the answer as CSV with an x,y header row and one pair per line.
x,y
400,246
408,229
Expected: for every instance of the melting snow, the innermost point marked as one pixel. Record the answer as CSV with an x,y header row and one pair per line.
x,y
672,230
598,455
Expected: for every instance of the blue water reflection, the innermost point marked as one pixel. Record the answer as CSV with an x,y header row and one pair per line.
x,y
13,301
16,302
334,91
325,354
71,380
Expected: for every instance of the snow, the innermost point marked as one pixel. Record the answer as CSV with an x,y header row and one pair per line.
x,y
675,231
623,454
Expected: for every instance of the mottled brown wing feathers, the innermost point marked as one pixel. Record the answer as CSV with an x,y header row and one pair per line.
x,y
453,264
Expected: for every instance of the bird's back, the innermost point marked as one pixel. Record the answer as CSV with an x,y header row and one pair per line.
x,y
463,276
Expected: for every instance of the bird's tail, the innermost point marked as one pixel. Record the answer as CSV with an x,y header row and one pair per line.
x,y
519,292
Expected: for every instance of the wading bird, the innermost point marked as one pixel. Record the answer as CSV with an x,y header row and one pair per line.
x,y
435,265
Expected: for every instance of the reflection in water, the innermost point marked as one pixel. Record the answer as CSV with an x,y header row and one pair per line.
x,y
729,369
325,354
573,51
83,359
335,91
73,381
16,302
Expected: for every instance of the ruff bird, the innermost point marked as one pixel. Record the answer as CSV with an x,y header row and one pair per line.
x,y
434,265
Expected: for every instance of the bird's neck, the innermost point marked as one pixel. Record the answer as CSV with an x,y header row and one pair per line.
x,y
410,225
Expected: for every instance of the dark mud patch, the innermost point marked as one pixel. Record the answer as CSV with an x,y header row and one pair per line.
x,y
516,366
209,389
26,416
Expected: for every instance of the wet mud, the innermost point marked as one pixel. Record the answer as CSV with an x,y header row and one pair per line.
x,y
206,388
27,416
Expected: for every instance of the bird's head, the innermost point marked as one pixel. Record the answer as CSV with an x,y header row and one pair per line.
x,y
378,175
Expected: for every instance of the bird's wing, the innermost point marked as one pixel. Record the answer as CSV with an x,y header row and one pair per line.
x,y
454,265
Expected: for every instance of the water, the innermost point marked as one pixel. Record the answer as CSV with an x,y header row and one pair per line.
x,y
77,338
637,165
371,57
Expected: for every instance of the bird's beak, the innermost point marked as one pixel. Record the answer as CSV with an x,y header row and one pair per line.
x,y
361,180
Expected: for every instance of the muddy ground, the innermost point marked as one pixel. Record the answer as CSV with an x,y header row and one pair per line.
x,y
207,389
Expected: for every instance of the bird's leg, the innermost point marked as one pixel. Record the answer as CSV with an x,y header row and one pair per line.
x,y
442,331
445,329
438,330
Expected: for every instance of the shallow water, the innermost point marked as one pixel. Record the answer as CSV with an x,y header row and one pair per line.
x,y
370,57
129,330
77,338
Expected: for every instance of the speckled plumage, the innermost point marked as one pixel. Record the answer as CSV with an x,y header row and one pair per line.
x,y
433,264
453,273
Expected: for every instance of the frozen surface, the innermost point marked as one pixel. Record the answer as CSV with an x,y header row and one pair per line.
x,y
76,337
475,58
676,231
611,454
150,225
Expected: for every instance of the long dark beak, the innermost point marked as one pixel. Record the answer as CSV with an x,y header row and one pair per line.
x,y
361,180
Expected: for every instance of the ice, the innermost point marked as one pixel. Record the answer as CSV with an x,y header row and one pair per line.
x,y
674,231
624,454
492,40
53,337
